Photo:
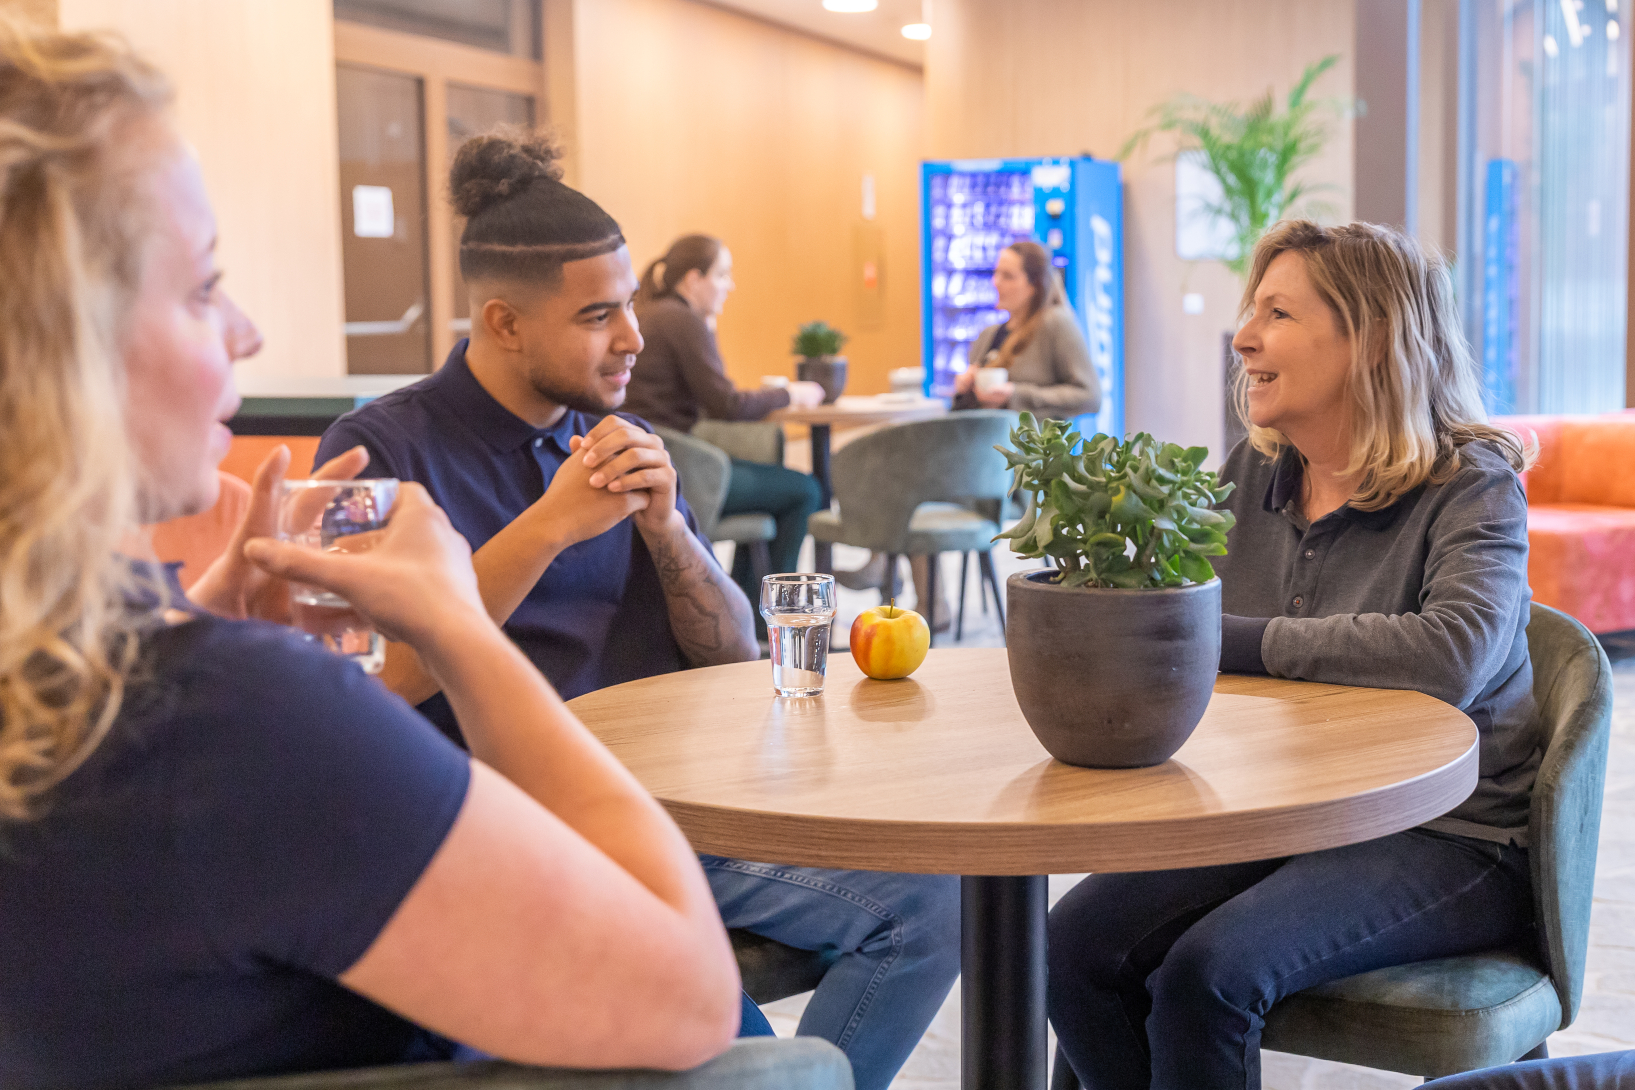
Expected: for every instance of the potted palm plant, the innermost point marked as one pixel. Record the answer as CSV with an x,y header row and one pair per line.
x,y
818,345
1253,154
1113,652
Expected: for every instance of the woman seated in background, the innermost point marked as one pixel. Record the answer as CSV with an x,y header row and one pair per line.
x,y
679,378
1381,541
1037,357
223,851
1034,360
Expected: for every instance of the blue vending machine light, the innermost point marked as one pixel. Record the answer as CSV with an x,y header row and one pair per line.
x,y
972,209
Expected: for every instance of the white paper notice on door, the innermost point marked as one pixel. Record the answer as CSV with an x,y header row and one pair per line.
x,y
372,212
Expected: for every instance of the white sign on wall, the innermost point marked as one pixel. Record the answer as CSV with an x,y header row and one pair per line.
x,y
1199,234
372,215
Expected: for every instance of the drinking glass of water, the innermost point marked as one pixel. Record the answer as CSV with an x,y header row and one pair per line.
x,y
332,516
799,609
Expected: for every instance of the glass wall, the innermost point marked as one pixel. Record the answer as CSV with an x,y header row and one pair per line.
x,y
503,26
1544,179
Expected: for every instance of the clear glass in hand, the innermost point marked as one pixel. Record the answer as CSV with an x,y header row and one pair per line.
x,y
335,516
799,609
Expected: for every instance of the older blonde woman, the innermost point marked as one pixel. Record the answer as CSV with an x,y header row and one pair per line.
x,y
1381,540
224,852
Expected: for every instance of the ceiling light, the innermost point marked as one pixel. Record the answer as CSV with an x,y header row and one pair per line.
x,y
918,31
1550,46
850,6
1612,30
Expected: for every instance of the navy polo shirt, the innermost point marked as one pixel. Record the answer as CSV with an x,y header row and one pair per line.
x,y
597,617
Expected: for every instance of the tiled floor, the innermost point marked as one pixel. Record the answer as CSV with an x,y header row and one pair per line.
x,y
1606,1022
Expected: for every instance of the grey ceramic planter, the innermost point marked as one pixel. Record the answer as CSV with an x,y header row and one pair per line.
x,y
1112,678
828,372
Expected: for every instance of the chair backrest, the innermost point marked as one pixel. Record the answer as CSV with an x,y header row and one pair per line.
x,y
702,472
196,540
746,440
881,477
1572,686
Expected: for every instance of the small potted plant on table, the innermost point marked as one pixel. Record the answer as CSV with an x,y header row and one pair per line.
x,y
1113,653
818,345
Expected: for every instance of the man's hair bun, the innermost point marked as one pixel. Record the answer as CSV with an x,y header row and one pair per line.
x,y
499,165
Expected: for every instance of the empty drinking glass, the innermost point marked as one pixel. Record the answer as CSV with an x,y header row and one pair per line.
x,y
332,516
799,609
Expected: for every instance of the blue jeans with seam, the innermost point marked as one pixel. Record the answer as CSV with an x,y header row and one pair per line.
x,y
1601,1071
1163,979
898,937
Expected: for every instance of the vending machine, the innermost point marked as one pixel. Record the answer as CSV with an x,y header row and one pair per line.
x,y
972,209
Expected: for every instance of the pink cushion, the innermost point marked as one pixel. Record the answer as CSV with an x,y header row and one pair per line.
x,y
1582,561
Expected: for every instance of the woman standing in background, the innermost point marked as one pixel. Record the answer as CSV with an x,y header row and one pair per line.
x,y
679,378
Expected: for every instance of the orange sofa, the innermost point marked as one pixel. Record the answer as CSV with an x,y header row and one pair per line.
x,y
196,540
1581,516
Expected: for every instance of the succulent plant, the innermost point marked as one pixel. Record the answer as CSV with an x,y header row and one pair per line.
x,y
1110,513
815,339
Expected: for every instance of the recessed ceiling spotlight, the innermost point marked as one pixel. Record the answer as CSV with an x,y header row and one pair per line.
x,y
917,31
850,7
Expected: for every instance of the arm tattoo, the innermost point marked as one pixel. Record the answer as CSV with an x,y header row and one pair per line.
x,y
709,615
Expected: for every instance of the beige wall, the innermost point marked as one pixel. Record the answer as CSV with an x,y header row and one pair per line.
x,y
686,117
255,94
1059,77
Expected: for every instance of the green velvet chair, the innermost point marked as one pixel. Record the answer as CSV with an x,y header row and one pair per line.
x,y
908,490
703,471
758,1063
1452,1015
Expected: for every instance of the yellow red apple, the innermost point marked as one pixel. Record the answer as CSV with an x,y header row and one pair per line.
x,y
889,642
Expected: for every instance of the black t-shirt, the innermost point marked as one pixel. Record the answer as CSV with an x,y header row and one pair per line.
x,y
179,910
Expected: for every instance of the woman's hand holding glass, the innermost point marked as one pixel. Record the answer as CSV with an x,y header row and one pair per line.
x,y
232,586
414,584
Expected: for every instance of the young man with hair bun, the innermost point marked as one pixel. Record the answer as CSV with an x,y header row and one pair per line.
x,y
590,560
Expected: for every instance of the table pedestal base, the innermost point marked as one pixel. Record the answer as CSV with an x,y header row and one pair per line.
x,y
1002,983
823,552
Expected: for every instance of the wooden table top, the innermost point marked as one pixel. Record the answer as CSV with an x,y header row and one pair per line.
x,y
939,773
862,410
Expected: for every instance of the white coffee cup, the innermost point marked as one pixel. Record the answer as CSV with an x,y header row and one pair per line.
x,y
989,379
775,382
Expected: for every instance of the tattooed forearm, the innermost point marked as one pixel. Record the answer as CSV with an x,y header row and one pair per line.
x,y
709,615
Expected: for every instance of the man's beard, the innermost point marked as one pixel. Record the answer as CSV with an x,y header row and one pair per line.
x,y
580,400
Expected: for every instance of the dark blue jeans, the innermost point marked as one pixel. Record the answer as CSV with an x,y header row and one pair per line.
x,y
1602,1071
789,496
1162,979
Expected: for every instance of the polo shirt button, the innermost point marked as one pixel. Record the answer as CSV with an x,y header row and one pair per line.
x,y
538,443
1298,601
1310,553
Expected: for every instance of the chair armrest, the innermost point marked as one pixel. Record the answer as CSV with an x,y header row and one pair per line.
x,y
753,1063
748,441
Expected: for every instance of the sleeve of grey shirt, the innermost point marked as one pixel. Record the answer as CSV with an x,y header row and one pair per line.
x,y
1474,583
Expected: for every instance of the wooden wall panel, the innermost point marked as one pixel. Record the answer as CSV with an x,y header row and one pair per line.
x,y
690,118
1061,77
255,95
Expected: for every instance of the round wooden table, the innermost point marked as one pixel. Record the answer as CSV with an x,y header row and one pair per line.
x,y
851,412
940,774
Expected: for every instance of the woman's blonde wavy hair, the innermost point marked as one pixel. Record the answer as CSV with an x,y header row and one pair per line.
x,y
72,241
1413,388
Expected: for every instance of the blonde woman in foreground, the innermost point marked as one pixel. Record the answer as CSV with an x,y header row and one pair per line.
x,y
223,852
1381,540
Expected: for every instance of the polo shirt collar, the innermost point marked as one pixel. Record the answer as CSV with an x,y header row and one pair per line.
x,y
1284,487
498,427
